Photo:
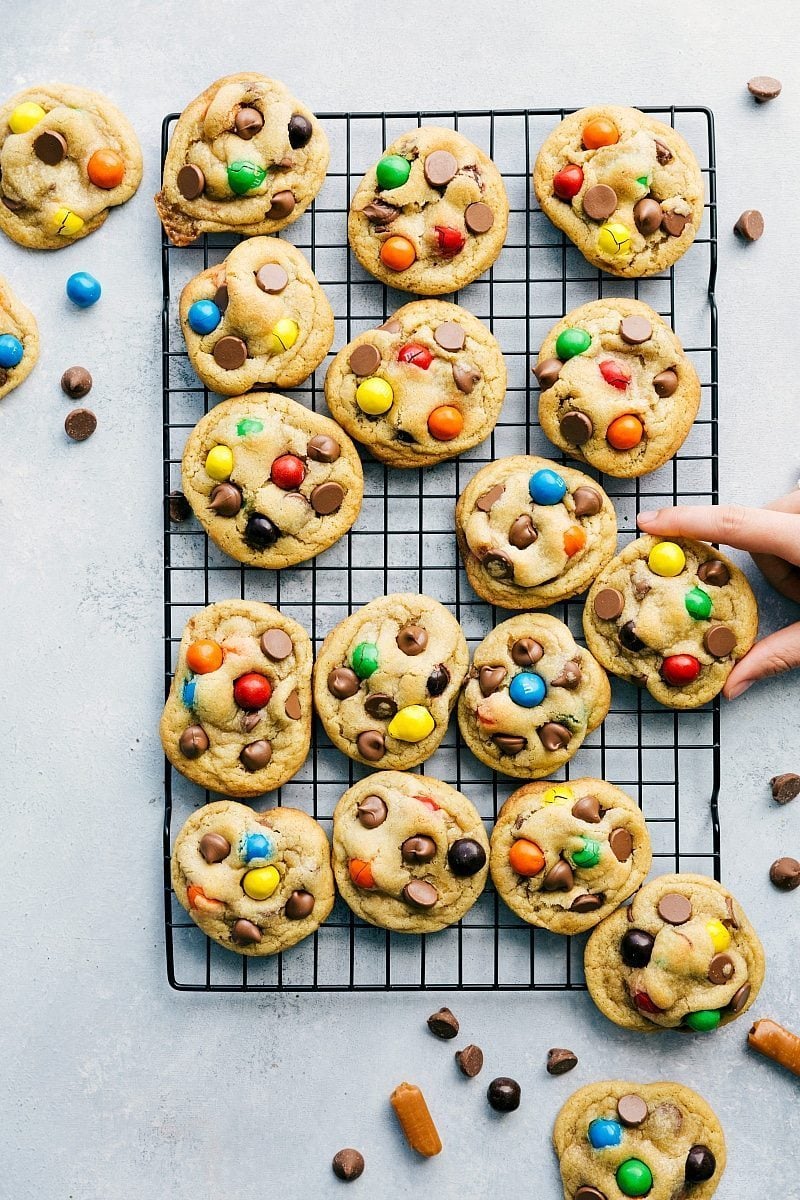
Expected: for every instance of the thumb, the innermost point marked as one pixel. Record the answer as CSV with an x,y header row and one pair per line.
x,y
771,656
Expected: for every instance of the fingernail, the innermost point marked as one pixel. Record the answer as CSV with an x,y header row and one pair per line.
x,y
738,689
647,518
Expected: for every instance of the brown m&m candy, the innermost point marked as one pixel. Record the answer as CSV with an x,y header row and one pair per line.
x,y
412,640
380,706
300,130
437,680
191,181
50,147
674,908
365,359
498,565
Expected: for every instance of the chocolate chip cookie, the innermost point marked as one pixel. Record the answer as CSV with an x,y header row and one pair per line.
x,y
270,481
672,616
617,389
683,955
531,697
565,855
386,680
431,215
409,853
618,1138
532,533
238,716
67,157
426,385
19,340
625,188
259,317
256,883
245,157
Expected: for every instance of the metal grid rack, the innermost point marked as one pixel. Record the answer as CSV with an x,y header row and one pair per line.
x,y
404,540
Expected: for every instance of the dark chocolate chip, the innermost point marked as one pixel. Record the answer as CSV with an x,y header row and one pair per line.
x,y
193,741
300,130
599,202
50,147
418,849
587,1192
466,857
503,1094
282,205
576,427
547,372
443,1024
299,906
715,572
271,278
587,500
588,902
526,651
570,677
348,1164
225,500
498,566
559,1061
740,998
342,682
635,329
230,352
323,449
439,168
470,1061
276,644
621,844
509,744
245,931
191,181
587,809
750,225
636,947
674,908
248,122
365,359
450,335
221,297
647,214
628,637
785,787
179,507
490,679
764,87
719,641
402,435
663,152
522,533
438,680
608,604
12,205
214,847
380,706
632,1110
292,707
700,1164
721,969
256,755
80,424
412,640
785,874
370,745
465,376
674,223
260,532
478,218
420,894
559,878
372,812
666,383
488,499
326,498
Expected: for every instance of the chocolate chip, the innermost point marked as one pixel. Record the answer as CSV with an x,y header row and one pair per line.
x,y
256,755
478,218
271,278
485,502
230,353
214,847
12,205
342,682
588,902
245,931
621,844
191,181
674,223
402,435
498,566
547,372
509,744
730,920
719,640
248,122
721,968
559,878
634,330
372,812
503,1094
587,501
327,498
750,225
380,706
438,680
443,1024
576,427
663,152
785,874
587,809
439,168
412,640
470,1061
450,335
292,707
370,745
466,857
665,383
225,500
490,679
785,787
647,214
221,297
522,533
560,1061
276,644
323,449
260,532
570,677
628,637
80,424
674,908
700,1164
715,572
632,1110
282,205
381,213
739,999
764,87
299,906
391,326
348,1164
526,651
50,147
179,507
599,201
418,849
636,948
193,741
608,604
587,1192
465,376
365,359
250,720
300,130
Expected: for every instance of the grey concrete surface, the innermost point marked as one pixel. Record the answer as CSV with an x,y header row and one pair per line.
x,y
116,1087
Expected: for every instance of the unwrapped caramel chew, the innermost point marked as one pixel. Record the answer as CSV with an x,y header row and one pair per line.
x,y
415,1118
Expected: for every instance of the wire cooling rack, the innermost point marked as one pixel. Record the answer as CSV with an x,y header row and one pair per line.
x,y
404,541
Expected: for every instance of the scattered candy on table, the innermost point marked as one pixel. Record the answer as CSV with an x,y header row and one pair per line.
x,y
76,382
204,656
219,462
11,351
83,289
527,689
374,396
547,487
503,1094
260,883
203,316
666,559
411,724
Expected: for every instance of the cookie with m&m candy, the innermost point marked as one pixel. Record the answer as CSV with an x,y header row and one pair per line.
x,y
19,340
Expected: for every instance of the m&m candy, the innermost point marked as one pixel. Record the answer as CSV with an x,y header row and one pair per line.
x,y
411,724
83,289
243,176
624,433
680,669
419,356
361,873
106,169
67,223
634,1178
374,396
720,936
526,858
558,794
449,241
614,374
392,172
614,238
571,342
365,659
698,604
26,116
248,425
568,181
260,883
527,689
603,1132
397,253
203,656
252,691
666,559
445,423
188,692
219,462
203,316
574,540
705,1020
599,132
546,487
255,846
588,855
11,350
283,335
288,472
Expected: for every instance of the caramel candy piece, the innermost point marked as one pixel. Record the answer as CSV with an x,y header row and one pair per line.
x,y
777,1043
415,1120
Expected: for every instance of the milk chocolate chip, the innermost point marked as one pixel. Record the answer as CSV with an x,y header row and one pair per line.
x,y
438,680
214,847
191,181
248,122
547,372
420,894
372,812
256,756
365,359
299,906
342,682
412,640
193,741
225,500
608,604
465,377
522,533
371,745
588,501
490,679
666,383
526,651
439,168
576,427
488,499
323,449
276,644
714,572
647,214
554,736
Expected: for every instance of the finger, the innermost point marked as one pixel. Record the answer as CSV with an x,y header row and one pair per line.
x,y
781,575
771,656
758,529
788,503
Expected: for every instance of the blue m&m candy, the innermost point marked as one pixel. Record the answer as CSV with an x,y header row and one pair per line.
x,y
255,846
604,1133
11,350
83,289
527,689
187,694
547,487
204,316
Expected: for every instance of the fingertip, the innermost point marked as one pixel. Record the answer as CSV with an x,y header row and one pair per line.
x,y
645,520
738,688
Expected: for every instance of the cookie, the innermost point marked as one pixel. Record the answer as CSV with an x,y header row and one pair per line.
x,y
532,533
238,716
618,1138
617,388
566,855
431,215
19,340
386,680
67,156
272,482
683,955
426,385
625,188
245,157
672,616
256,883
409,853
259,317
531,697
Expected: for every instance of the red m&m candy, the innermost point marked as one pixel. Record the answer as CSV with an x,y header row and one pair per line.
x,y
412,352
568,181
252,691
643,1001
680,669
288,472
614,373
448,240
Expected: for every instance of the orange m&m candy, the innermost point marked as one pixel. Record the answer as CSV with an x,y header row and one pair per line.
x,y
106,169
445,423
199,900
361,873
625,432
525,857
397,253
599,132
204,656
574,540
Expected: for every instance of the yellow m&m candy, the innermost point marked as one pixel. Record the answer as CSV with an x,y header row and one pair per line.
x,y
560,794
260,883
66,222
719,935
411,724
666,559
374,396
283,336
614,238
219,462
26,116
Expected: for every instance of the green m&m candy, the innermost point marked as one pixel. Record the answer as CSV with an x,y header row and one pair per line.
x,y
243,176
392,172
704,1020
588,855
572,342
644,181
364,660
698,604
249,425
634,1178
